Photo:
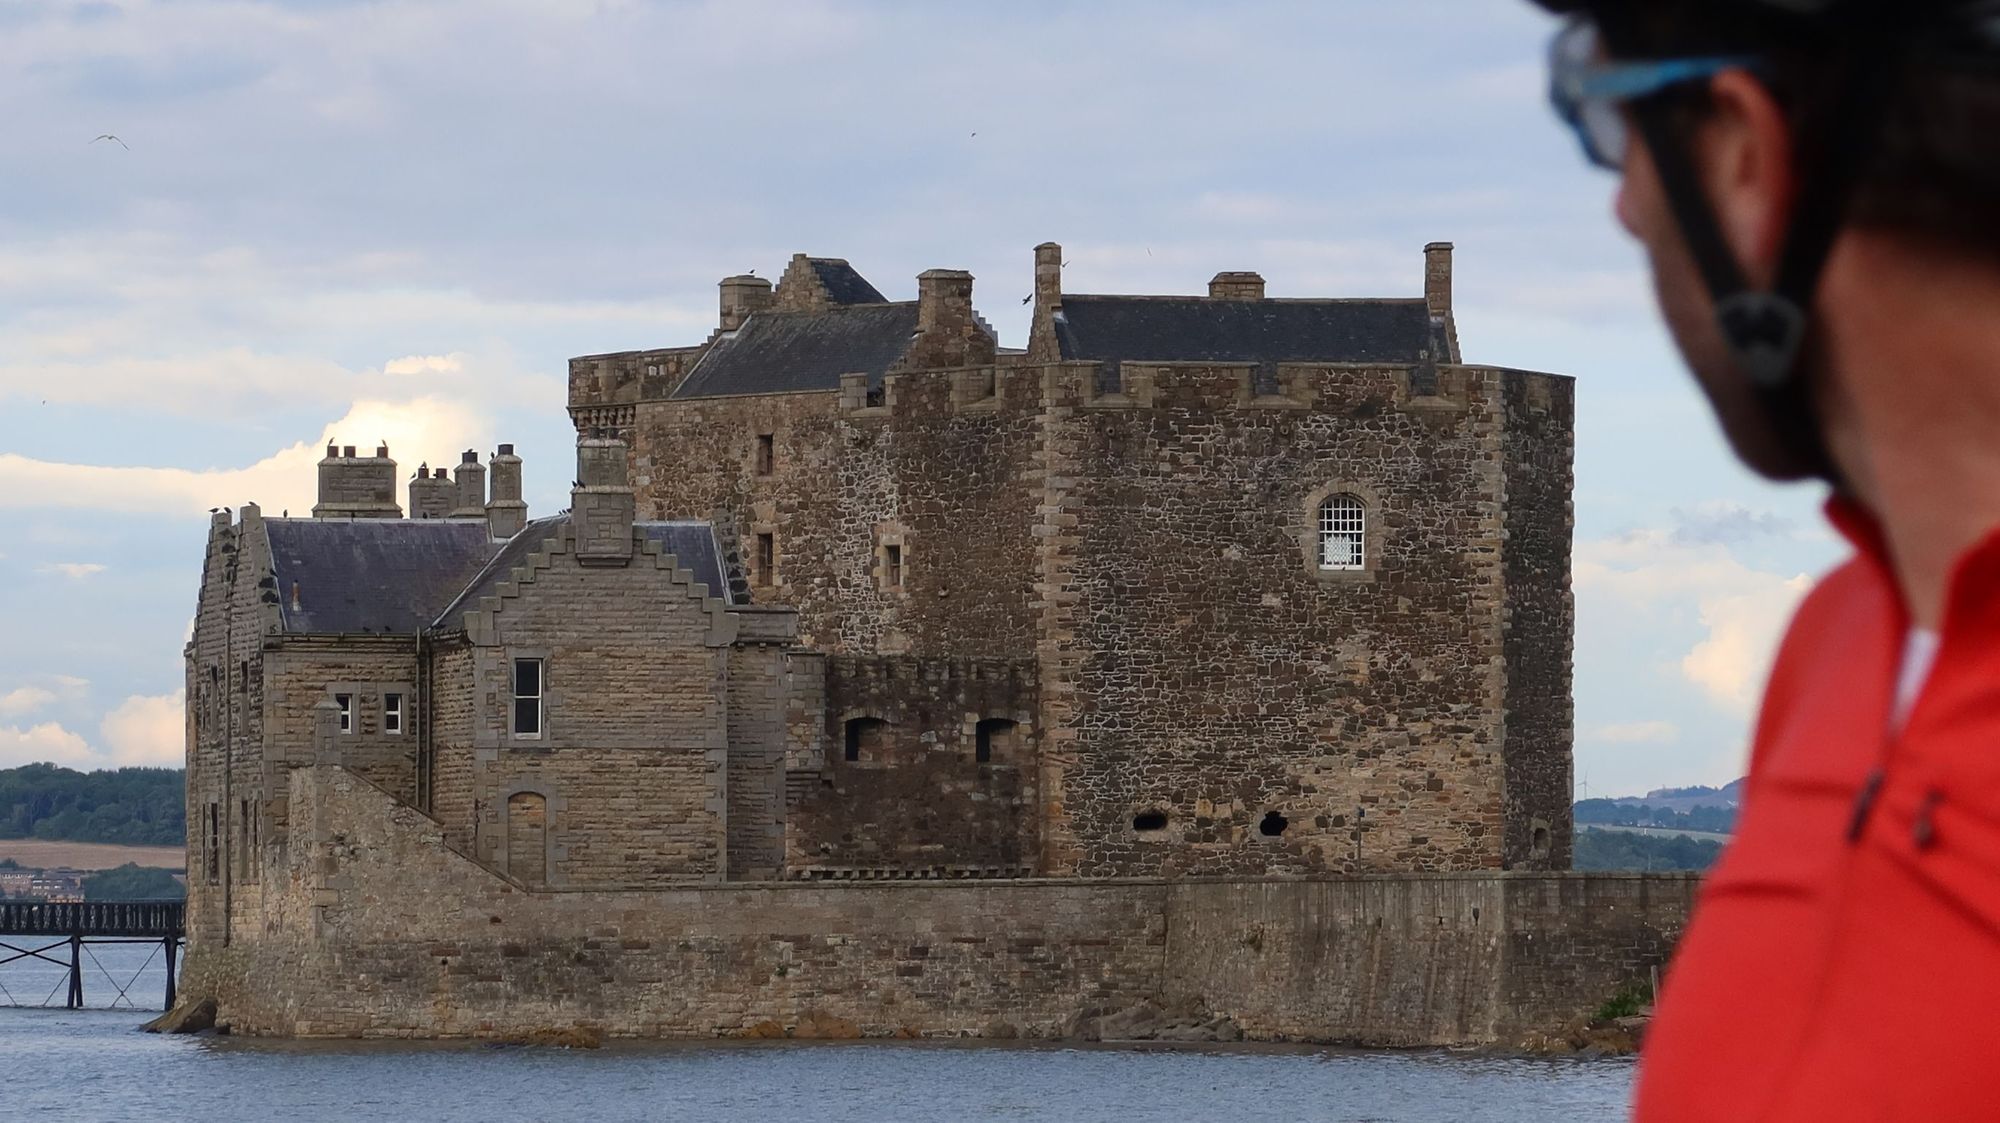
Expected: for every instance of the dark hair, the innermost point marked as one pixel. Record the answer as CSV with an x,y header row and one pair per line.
x,y
1932,170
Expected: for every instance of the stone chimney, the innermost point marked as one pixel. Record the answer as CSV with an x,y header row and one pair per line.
x,y
431,496
506,513
948,332
1048,279
1236,286
1437,297
601,505
471,488
357,487
742,295
1437,278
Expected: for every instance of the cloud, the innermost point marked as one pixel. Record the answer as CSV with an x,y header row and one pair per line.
x,y
426,428
1634,733
142,731
75,571
47,742
1723,523
25,700
1741,611
147,731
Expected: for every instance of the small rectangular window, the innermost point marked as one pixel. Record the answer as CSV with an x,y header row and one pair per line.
x,y
767,558
346,704
766,453
243,678
392,713
528,698
892,565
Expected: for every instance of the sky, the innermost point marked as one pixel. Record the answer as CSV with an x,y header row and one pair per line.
x,y
364,222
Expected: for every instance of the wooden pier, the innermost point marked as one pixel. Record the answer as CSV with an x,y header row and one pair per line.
x,y
46,929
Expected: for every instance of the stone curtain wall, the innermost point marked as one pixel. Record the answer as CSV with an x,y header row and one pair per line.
x,y
340,947
1538,450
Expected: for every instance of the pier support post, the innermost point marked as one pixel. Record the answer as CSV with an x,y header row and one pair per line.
x,y
75,972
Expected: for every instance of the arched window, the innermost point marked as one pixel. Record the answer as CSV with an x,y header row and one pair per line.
x,y
527,837
1343,526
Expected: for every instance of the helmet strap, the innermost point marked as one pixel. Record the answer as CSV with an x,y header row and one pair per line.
x,y
1765,330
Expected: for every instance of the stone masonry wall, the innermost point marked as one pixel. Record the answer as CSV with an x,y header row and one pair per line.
x,y
917,798
340,948
1537,457
1278,716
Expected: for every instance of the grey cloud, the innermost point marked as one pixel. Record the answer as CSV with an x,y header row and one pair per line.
x,y
1726,524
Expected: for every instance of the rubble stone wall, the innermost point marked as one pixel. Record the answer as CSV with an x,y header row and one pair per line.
x,y
340,948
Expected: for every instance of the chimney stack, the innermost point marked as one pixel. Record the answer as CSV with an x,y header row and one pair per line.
x,y
1236,286
431,496
356,487
948,331
1437,278
742,295
471,488
1048,279
601,504
506,513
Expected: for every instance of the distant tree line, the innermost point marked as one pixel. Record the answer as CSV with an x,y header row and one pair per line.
x,y
1623,850
133,882
1611,812
129,806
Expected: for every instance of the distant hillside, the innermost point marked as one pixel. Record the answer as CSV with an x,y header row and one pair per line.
x,y
129,806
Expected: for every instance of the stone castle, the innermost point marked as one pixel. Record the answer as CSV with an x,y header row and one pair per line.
x,y
1191,591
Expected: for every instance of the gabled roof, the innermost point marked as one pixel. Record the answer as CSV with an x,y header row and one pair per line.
x,y
843,284
692,544
783,352
379,576
1202,329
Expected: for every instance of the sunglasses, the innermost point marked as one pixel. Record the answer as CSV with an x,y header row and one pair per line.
x,y
1588,90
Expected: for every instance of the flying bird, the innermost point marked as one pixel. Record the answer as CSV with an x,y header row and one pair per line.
x,y
1027,298
109,136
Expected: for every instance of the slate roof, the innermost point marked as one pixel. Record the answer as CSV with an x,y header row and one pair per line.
x,y
783,352
1198,329
498,568
692,544
843,284
372,575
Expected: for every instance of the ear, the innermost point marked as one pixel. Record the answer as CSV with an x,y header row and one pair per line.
x,y
1745,152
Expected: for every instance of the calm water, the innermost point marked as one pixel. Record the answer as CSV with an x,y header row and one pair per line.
x,y
94,1065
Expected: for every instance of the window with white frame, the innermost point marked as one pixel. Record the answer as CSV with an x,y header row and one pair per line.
x,y
392,713
527,720
1343,526
346,704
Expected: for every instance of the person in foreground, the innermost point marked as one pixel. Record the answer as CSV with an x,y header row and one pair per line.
x,y
1817,185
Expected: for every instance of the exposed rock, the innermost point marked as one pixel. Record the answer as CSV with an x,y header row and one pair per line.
x,y
563,1037
1147,1022
764,1029
822,1026
1000,1031
188,1017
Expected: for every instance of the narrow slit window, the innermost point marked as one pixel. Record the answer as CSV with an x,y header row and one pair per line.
x,y
392,713
767,558
892,565
212,844
346,704
766,453
527,720
1343,524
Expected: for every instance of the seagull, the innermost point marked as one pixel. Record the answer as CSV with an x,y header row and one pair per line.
x,y
109,136
1027,298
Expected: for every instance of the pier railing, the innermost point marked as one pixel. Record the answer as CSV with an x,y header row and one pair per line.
x,y
48,929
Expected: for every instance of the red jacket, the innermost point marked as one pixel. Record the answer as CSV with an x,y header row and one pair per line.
x,y
1844,960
